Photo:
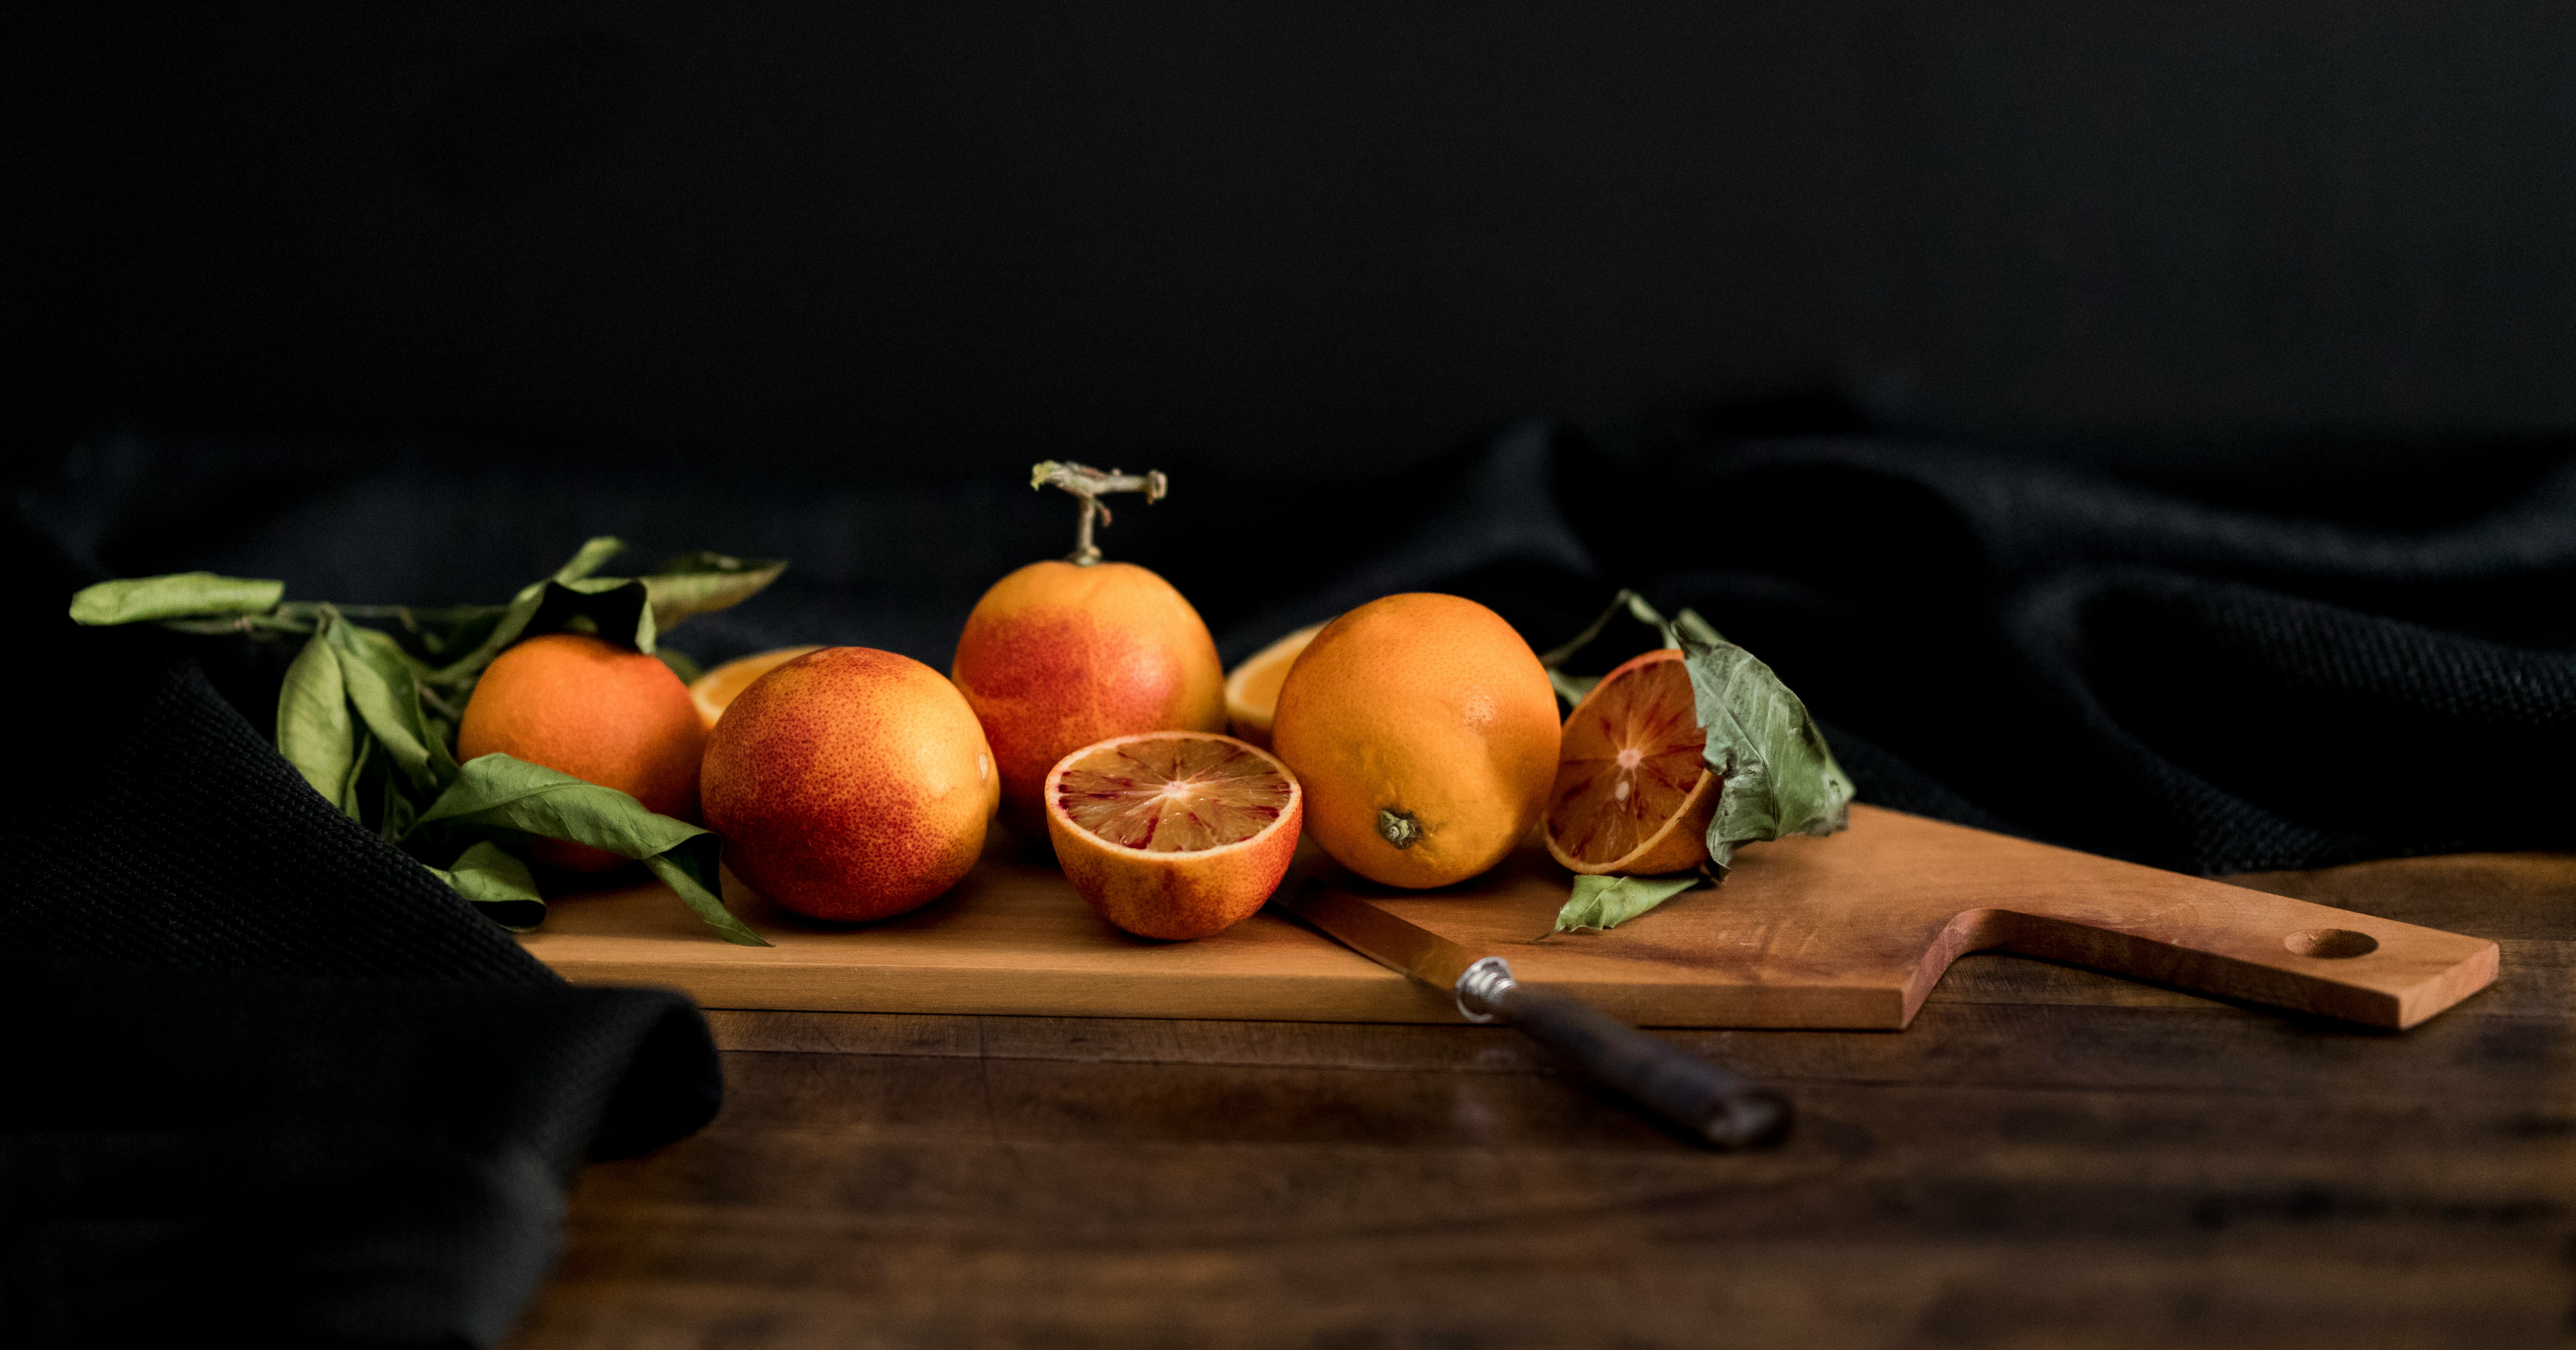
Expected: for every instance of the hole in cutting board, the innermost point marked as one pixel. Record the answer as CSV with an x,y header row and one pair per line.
x,y
2331,943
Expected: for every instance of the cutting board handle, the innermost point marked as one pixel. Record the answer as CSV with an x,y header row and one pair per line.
x,y
2242,944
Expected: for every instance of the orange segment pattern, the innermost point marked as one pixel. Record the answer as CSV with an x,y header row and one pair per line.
x,y
1173,794
1630,756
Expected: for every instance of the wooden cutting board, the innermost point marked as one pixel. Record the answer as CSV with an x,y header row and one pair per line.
x,y
1849,932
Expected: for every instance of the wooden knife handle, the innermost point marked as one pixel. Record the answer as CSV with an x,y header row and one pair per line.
x,y
1722,1108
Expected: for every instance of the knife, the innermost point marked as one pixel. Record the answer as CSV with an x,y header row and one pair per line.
x,y
1720,1107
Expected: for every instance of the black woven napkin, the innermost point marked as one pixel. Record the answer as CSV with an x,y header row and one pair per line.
x,y
268,1077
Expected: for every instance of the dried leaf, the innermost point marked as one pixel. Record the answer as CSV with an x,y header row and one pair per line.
x,y
1625,600
1572,688
1777,776
1780,778
1575,688
1689,623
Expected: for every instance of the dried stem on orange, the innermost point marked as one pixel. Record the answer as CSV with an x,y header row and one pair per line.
x,y
1089,484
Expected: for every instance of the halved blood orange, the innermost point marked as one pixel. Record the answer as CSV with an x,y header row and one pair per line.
x,y
1252,689
714,691
1173,834
1632,796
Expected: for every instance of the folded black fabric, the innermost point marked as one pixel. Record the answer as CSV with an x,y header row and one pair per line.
x,y
272,1079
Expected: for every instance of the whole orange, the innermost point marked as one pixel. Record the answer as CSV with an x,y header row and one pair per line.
x,y
1057,656
1425,734
600,711
850,784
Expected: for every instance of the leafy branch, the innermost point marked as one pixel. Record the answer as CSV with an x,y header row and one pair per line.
x,y
369,715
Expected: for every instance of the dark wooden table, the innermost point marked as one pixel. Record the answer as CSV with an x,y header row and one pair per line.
x,y
2047,1157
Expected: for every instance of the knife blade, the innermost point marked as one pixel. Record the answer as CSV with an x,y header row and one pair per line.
x,y
1720,1107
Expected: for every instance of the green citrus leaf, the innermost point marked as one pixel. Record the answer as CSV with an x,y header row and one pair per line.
x,y
1600,903
352,804
619,609
314,730
593,555
633,610
681,664
514,619
692,872
395,812
451,628
499,793
384,686
180,595
489,876
703,582
461,672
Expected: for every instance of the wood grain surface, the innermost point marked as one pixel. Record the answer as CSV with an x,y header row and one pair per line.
x,y
1011,938
2048,1157
1847,932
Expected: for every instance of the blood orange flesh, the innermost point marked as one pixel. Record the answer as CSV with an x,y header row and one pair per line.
x,y
1631,793
1173,794
1173,834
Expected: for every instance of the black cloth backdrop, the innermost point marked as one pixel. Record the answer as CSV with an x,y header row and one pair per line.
x,y
287,1080
2331,663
